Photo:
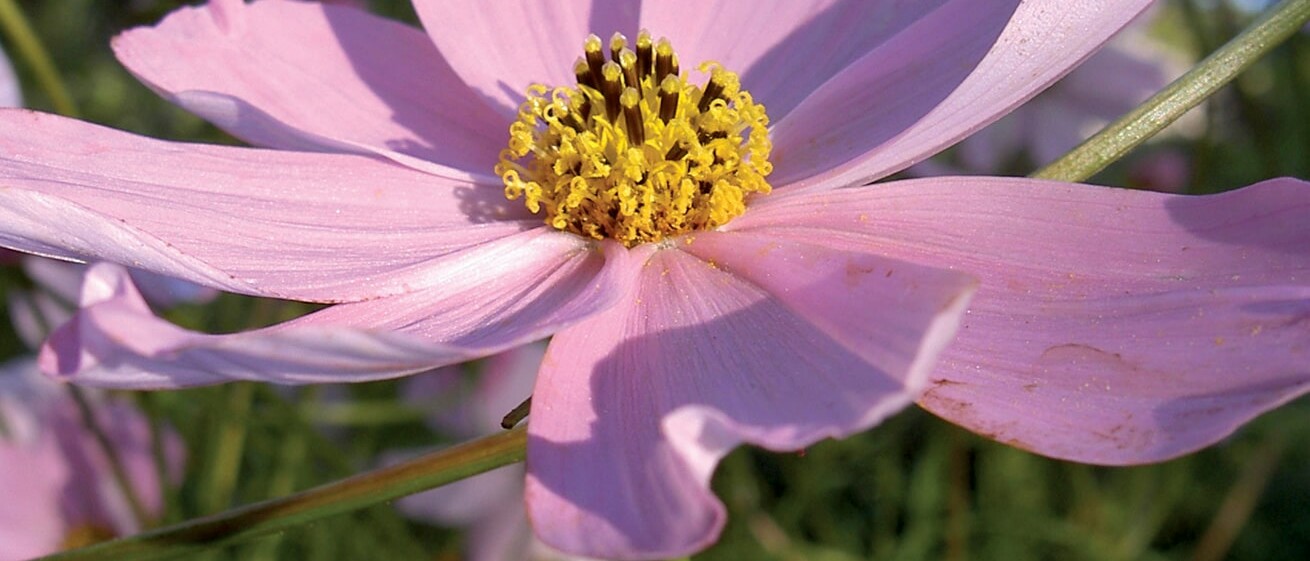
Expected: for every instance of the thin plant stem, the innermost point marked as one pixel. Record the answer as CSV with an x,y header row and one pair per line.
x,y
1113,142
359,491
229,446
25,42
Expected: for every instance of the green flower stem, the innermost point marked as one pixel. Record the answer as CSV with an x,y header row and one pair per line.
x,y
359,491
1271,29
24,41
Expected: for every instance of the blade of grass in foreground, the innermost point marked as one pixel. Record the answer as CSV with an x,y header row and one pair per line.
x,y
366,489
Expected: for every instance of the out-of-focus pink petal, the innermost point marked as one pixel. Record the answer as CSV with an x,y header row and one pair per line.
x,y
32,475
494,298
93,496
783,50
633,408
951,73
500,48
1112,326
53,472
10,94
35,313
282,224
300,75
462,409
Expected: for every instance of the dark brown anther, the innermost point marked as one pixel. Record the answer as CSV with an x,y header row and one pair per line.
x,y
713,89
611,88
631,101
617,43
582,72
570,119
595,56
669,98
516,415
645,54
676,153
673,65
584,108
628,62
663,60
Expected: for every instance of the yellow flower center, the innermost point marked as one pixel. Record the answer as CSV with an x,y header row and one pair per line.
x,y
633,152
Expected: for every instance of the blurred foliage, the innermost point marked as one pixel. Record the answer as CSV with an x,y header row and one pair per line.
x,y
914,488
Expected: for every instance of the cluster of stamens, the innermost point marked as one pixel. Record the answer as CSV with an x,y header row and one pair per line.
x,y
633,152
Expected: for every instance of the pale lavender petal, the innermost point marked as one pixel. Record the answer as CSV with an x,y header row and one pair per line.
x,y
634,407
940,79
489,300
1112,326
94,496
31,477
283,224
35,313
61,279
783,50
301,75
167,292
500,48
462,409
11,95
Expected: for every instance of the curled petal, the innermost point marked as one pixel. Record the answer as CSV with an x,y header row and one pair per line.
x,y
1111,326
490,300
314,76
633,408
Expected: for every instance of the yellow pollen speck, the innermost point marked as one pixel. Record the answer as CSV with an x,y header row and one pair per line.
x,y
633,152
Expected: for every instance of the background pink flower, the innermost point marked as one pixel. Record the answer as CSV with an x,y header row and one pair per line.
x,y
55,478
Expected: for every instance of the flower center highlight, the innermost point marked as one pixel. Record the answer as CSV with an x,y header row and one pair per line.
x,y
633,152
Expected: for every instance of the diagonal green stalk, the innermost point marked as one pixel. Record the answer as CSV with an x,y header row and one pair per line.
x,y
1113,142
15,25
366,489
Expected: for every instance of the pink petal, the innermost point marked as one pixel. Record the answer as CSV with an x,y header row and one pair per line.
x,y
283,224
500,48
1112,326
31,477
942,78
633,409
487,301
32,470
10,94
300,75
782,50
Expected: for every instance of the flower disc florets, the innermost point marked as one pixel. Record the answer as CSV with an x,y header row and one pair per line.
x,y
634,152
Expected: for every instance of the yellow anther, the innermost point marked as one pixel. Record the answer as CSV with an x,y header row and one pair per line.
x,y
680,159
617,43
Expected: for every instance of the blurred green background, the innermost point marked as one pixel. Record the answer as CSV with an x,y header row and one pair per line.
x,y
913,488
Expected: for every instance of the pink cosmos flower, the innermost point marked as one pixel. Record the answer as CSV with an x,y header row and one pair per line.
x,y
55,479
490,506
1106,325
